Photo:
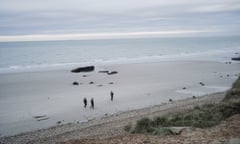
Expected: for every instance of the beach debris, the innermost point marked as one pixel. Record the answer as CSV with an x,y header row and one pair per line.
x,y
83,69
37,117
103,71
91,82
108,72
85,102
201,83
177,130
75,83
110,83
41,117
113,72
170,100
184,88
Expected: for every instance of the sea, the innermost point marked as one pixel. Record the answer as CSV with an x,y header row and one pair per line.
x,y
45,55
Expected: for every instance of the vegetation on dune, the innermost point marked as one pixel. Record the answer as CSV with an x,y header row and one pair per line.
x,y
205,116
234,93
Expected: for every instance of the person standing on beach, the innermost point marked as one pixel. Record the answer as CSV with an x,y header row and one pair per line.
x,y
111,94
92,103
85,102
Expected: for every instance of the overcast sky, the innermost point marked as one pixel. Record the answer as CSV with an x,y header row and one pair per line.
x,y
57,17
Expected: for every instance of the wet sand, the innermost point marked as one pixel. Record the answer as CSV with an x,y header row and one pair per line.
x,y
32,101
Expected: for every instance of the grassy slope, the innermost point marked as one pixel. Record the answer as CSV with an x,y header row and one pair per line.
x,y
205,116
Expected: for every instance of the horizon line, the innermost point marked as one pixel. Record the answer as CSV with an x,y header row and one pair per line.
x,y
95,36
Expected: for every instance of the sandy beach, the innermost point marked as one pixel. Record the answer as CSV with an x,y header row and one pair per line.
x,y
32,101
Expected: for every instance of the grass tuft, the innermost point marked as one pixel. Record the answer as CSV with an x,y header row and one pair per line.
x,y
205,116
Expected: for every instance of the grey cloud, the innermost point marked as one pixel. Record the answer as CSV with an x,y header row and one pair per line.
x,y
65,16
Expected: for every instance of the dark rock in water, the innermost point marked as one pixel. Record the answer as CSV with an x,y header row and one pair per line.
x,y
236,58
113,72
75,83
184,88
91,82
104,71
83,69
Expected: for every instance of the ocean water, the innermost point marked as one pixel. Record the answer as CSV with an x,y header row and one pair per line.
x,y
24,56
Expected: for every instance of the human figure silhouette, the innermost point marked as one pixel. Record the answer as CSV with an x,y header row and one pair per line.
x,y
92,103
85,102
111,94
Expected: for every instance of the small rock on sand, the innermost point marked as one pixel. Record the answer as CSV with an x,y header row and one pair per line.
x,y
201,83
91,82
59,122
75,83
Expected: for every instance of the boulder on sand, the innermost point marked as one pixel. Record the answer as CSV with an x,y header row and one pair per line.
x,y
75,83
83,69
236,58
